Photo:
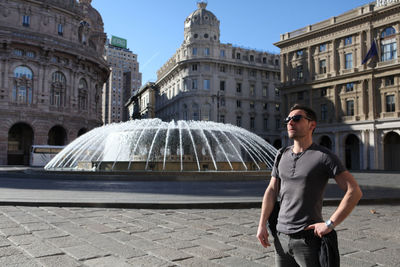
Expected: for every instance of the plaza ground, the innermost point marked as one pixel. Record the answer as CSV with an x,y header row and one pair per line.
x,y
172,223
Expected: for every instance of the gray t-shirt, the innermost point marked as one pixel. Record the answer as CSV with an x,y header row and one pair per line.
x,y
304,177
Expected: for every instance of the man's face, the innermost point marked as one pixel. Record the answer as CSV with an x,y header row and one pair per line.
x,y
301,128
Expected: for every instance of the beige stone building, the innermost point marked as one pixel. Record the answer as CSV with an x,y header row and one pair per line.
x,y
141,105
209,80
124,80
51,74
357,104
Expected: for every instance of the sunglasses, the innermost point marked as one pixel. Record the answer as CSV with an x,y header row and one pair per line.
x,y
295,118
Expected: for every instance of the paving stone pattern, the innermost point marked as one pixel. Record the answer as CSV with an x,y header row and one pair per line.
x,y
56,236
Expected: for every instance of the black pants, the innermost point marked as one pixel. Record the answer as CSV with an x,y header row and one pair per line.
x,y
300,249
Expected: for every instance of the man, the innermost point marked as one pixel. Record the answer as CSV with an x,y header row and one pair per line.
x,y
300,178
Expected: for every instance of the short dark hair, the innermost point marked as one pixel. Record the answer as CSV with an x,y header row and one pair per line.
x,y
309,112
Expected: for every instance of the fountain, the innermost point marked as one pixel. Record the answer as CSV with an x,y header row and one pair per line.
x,y
176,146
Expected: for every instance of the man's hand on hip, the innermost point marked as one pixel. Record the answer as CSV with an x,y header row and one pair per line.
x,y
320,229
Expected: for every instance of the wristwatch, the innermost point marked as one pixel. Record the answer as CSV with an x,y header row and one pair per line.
x,y
330,224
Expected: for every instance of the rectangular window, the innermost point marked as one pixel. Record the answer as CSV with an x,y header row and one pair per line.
x,y
349,87
322,47
322,66
265,91
206,51
237,55
251,104
18,52
348,40
206,84
238,87
222,53
265,124
252,90
323,92
324,112
389,81
277,92
194,67
222,85
60,29
349,61
238,103
26,20
277,123
239,121
253,73
277,107
222,118
350,108
194,51
265,106
194,84
30,54
252,123
390,103
389,50
299,72
222,68
239,71
222,101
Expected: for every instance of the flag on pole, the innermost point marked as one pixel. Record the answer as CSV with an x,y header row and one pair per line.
x,y
373,51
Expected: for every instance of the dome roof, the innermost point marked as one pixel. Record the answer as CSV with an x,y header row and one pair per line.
x,y
201,16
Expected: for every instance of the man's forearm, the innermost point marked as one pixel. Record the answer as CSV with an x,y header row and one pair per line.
x,y
347,204
267,206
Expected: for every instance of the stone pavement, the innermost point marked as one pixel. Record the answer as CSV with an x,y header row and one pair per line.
x,y
68,221
59,236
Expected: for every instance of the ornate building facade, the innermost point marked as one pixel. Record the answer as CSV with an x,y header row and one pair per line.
x,y
325,65
209,80
51,74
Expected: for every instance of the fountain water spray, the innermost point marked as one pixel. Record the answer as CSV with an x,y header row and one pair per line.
x,y
154,145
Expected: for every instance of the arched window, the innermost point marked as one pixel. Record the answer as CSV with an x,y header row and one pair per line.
x,y
22,89
58,86
205,112
388,44
196,111
82,94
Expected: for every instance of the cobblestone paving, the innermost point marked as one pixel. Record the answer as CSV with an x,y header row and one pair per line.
x,y
52,236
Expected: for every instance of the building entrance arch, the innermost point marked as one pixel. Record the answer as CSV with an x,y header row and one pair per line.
x,y
57,136
352,152
392,151
20,140
81,131
326,142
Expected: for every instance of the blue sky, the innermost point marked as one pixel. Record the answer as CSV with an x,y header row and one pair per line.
x,y
154,28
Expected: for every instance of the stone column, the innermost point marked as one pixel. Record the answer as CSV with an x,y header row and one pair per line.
x,y
371,98
336,101
310,64
283,68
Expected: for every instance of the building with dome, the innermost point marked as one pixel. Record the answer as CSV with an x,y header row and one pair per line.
x,y
209,80
52,73
347,68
